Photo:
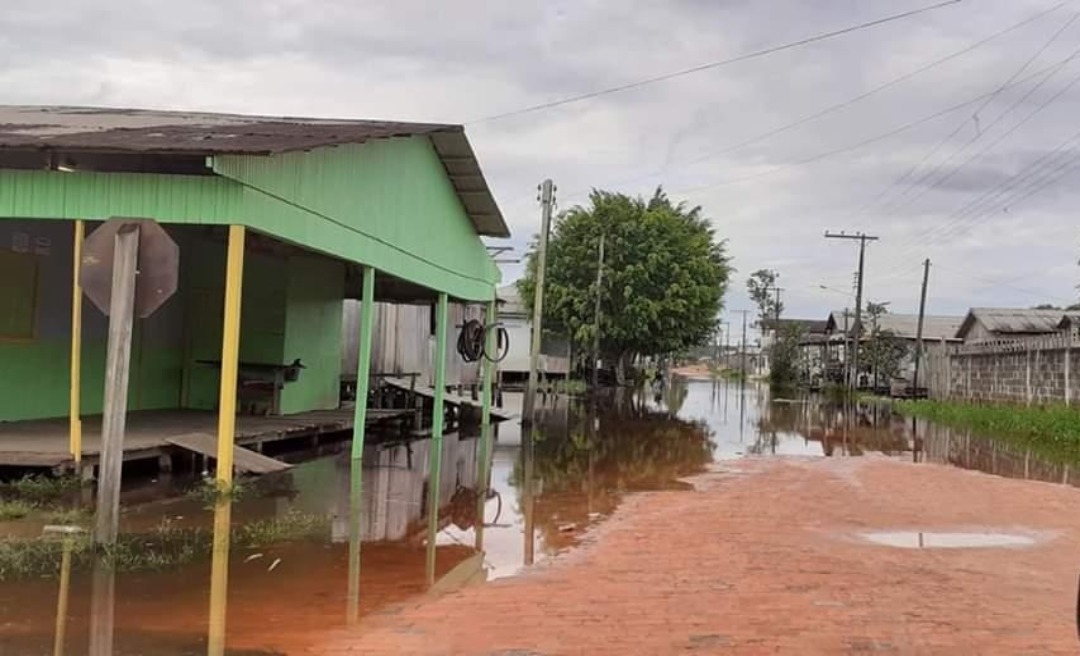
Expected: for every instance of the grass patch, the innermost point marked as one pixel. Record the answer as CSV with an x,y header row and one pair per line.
x,y
1052,430
163,548
14,509
43,489
210,492
68,516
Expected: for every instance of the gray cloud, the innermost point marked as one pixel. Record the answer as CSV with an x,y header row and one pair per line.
x,y
427,60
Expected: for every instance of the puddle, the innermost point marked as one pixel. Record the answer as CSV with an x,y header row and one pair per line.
x,y
944,540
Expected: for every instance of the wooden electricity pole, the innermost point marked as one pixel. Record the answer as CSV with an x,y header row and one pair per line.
x,y
863,238
117,361
919,333
547,200
596,315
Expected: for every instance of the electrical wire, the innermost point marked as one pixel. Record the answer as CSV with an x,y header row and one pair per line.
x,y
960,126
711,65
809,118
1046,103
927,188
860,144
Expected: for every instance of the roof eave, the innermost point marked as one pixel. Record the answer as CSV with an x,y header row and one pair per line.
x,y
464,171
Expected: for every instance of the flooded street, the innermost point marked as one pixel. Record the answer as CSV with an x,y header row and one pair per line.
x,y
292,550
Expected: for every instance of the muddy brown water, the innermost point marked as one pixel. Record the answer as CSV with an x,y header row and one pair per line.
x,y
582,463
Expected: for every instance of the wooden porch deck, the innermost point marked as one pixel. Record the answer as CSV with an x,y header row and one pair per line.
x,y
44,443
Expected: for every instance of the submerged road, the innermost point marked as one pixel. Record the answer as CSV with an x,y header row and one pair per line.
x,y
782,555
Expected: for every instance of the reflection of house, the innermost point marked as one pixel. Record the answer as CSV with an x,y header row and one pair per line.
x,y
395,479
986,324
554,349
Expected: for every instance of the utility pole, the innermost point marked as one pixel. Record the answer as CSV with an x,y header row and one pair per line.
x,y
547,199
862,238
743,363
596,316
918,334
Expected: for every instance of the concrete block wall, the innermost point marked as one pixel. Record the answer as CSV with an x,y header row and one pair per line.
x,y
1033,371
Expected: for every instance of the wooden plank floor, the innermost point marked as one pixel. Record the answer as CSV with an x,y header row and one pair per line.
x,y
450,398
44,443
243,459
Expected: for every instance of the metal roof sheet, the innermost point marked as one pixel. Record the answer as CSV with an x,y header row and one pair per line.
x,y
1013,321
189,133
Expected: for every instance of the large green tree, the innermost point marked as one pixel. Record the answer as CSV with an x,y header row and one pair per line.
x,y
665,274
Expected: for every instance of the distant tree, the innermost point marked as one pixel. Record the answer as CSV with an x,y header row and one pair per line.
x,y
788,358
760,286
665,275
883,351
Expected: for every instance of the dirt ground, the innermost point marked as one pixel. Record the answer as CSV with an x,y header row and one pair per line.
x,y
767,557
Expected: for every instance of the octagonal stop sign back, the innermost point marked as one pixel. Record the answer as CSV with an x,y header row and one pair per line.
x,y
158,267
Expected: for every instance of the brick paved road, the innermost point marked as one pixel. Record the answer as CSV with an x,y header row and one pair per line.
x,y
763,559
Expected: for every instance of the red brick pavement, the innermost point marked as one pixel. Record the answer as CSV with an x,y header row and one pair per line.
x,y
764,558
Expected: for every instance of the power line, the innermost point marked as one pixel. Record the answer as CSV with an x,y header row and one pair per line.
x,y
835,107
933,151
863,143
1019,101
1002,137
711,65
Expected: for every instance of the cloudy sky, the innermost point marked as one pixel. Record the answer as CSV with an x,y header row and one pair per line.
x,y
995,238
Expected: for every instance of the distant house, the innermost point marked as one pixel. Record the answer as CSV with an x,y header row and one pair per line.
x,y
554,349
986,324
938,332
813,341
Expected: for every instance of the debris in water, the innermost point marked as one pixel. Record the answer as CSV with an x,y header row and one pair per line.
x,y
594,515
274,564
567,528
253,557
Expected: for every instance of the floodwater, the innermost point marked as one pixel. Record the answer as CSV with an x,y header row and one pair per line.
x,y
225,591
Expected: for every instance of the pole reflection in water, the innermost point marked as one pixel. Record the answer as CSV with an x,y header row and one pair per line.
x,y
219,575
528,457
356,469
62,597
102,607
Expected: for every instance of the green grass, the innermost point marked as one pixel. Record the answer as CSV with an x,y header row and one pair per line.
x,y
209,491
163,548
14,509
1052,430
42,489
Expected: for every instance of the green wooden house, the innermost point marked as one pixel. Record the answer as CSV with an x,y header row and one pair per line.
x,y
323,204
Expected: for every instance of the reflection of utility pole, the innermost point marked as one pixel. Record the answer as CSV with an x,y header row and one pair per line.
x,y
863,238
742,364
528,456
547,200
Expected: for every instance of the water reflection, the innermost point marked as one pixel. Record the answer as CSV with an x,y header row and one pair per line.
x,y
238,579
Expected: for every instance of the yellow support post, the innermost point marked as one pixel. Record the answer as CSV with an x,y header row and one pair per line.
x,y
75,403
230,357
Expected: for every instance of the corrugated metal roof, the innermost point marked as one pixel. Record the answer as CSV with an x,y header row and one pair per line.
x,y
1012,321
73,129
935,328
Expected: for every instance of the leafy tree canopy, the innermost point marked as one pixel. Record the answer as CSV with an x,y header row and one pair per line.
x,y
664,278
759,286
